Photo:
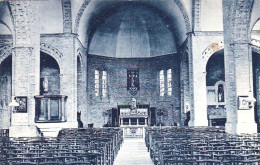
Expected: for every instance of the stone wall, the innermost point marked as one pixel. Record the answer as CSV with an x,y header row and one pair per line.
x,y
117,85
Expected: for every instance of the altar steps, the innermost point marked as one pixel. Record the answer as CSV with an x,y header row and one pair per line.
x,y
48,129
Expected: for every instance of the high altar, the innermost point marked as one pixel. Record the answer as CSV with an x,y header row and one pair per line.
x,y
133,119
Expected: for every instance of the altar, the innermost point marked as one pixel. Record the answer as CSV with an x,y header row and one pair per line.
x,y
133,119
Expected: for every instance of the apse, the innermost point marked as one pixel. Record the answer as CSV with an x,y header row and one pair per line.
x,y
132,31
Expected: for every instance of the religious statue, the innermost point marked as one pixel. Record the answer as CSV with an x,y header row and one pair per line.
x,y
133,106
220,93
45,84
132,80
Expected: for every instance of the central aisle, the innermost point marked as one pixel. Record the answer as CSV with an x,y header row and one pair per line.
x,y
133,152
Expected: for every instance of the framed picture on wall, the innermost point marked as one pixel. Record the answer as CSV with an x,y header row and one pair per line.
x,y
243,103
22,101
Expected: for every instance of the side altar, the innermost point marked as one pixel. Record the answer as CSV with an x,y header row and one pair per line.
x,y
133,119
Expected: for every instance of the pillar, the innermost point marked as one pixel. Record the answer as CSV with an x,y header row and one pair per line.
x,y
25,66
238,66
185,93
198,95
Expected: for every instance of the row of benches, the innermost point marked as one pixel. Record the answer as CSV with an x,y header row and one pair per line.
x,y
72,146
201,145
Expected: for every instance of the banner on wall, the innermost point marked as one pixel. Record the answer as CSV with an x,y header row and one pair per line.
x,y
133,85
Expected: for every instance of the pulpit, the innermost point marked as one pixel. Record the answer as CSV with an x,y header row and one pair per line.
x,y
50,108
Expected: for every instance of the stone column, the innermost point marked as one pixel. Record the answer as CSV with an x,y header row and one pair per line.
x,y
238,66
198,114
26,64
185,93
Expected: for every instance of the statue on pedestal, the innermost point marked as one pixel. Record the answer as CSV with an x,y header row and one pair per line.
x,y
45,84
133,106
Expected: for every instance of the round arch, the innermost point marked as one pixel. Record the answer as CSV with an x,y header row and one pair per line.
x,y
79,56
209,51
254,38
53,52
5,51
215,68
50,73
251,30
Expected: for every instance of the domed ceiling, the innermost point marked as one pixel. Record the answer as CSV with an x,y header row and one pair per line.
x,y
132,31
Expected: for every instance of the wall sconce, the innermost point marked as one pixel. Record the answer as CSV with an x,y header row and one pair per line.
x,y
13,103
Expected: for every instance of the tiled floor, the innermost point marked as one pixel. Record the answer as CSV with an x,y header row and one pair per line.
x,y
133,152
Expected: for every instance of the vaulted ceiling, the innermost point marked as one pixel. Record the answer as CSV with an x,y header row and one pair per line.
x,y
171,12
132,30
6,26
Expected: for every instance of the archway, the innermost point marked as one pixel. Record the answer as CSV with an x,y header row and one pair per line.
x,y
215,82
255,44
50,105
5,91
50,75
122,40
89,10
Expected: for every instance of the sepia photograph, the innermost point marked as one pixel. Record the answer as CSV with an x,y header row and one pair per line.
x,y
130,82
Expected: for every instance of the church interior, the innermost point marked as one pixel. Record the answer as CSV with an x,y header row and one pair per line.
x,y
125,82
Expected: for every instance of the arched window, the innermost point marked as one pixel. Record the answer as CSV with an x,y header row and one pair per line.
x,y
161,77
169,82
96,83
104,83
100,81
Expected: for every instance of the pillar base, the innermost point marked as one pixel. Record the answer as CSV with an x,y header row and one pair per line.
x,y
24,131
241,127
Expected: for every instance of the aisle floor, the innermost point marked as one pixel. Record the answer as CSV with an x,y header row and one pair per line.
x,y
133,152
